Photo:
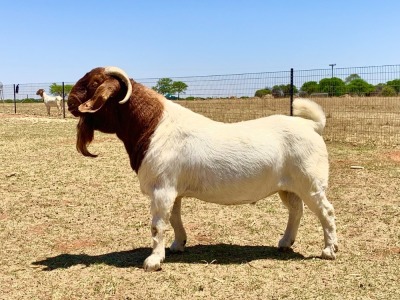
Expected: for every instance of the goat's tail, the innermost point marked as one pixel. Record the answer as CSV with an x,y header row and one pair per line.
x,y
308,109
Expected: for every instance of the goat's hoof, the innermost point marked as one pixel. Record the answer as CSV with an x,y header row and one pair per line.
x,y
285,244
285,249
329,252
335,247
152,263
177,247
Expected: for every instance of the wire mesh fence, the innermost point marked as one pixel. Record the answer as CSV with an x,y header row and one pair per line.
x,y
226,86
362,104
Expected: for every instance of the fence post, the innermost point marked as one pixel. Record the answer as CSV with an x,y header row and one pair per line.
x,y
63,100
291,91
15,102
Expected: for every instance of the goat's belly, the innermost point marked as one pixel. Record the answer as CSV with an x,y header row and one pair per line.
x,y
232,194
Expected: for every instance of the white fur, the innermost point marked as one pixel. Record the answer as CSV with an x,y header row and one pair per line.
x,y
52,101
192,156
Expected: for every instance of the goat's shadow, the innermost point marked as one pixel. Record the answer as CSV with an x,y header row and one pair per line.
x,y
198,254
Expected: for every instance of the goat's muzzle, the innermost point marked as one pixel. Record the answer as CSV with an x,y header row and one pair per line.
x,y
73,104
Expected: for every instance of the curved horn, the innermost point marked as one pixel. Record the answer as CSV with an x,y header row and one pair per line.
x,y
115,71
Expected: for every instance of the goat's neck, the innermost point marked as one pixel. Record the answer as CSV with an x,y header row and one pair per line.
x,y
138,122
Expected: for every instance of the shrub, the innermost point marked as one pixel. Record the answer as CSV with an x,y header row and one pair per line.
x,y
378,88
395,84
388,91
263,92
309,88
360,87
333,86
31,100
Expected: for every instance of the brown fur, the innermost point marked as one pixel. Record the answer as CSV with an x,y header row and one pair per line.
x,y
133,122
40,92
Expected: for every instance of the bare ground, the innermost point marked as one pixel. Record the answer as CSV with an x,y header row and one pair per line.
x,y
79,228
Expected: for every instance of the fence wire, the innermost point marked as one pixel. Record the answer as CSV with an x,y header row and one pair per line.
x,y
351,117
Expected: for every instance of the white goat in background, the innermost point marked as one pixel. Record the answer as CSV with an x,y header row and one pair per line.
x,y
50,101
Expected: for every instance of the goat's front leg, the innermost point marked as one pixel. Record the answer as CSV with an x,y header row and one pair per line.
x,y
178,244
161,205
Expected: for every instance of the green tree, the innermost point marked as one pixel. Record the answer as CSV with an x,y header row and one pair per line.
x,y
179,87
56,89
394,84
333,86
351,77
310,87
164,86
360,87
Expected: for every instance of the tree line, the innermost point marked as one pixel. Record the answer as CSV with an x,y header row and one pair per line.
x,y
164,86
353,85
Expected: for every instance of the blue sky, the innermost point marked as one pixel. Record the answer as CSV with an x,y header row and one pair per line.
x,y
54,41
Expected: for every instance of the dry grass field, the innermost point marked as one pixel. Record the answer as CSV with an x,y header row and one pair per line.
x,y
360,120
78,228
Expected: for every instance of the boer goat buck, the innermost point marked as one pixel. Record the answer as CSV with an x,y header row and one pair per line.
x,y
177,153
50,101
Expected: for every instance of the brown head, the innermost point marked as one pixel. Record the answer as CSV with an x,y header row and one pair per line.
x,y
105,99
92,91
90,94
40,92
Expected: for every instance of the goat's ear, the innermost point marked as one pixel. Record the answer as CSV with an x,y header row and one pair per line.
x,y
106,90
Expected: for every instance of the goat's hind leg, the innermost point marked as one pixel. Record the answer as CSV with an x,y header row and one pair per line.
x,y
319,204
178,244
295,206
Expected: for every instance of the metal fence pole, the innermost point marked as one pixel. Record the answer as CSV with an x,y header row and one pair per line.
x,y
291,91
63,100
15,102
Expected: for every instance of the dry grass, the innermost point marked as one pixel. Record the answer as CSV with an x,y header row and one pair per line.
x,y
78,228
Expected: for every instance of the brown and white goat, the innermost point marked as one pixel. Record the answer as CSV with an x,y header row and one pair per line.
x,y
177,153
50,101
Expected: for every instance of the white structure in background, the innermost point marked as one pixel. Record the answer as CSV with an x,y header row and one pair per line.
x,y
1,92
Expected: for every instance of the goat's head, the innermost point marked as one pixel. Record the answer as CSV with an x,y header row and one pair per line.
x,y
40,92
95,99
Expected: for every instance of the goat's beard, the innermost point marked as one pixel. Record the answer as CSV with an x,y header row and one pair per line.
x,y
85,134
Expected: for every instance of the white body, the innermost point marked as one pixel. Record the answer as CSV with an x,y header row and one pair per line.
x,y
191,155
232,163
52,101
